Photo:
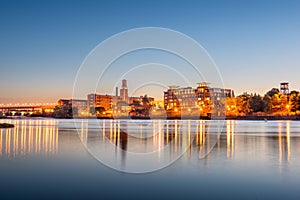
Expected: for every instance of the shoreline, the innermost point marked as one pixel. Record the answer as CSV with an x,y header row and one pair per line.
x,y
250,118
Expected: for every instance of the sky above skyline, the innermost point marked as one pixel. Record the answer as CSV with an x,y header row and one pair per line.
x,y
255,44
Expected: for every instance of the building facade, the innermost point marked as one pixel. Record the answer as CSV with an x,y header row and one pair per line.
x,y
99,100
203,100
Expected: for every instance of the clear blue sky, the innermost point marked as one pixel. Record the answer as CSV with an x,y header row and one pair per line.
x,y
256,44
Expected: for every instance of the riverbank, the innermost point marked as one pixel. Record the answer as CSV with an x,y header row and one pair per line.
x,y
258,118
249,117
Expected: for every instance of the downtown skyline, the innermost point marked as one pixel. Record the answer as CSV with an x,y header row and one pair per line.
x,y
43,44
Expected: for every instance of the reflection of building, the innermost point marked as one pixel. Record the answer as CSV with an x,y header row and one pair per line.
x,y
124,91
29,137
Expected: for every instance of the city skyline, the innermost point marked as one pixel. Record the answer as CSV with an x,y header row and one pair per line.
x,y
130,94
42,51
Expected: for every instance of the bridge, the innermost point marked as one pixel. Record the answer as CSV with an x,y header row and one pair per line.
x,y
26,108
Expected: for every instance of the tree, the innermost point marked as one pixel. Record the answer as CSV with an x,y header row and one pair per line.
x,y
136,103
231,106
256,104
277,104
64,111
145,100
270,99
272,92
242,103
99,110
294,101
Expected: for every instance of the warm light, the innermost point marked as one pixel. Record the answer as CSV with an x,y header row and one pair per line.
x,y
176,110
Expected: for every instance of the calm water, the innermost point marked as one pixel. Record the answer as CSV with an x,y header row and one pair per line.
x,y
55,159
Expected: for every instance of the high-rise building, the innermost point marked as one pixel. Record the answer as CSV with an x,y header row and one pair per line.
x,y
124,91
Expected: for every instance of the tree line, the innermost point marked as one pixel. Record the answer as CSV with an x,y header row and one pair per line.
x,y
272,103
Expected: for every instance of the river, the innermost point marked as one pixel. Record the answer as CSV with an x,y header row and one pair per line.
x,y
149,159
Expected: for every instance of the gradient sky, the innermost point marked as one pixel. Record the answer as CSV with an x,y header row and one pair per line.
x,y
255,44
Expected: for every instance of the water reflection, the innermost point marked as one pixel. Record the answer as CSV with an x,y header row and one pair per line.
x,y
230,138
160,137
147,143
29,137
149,137
284,144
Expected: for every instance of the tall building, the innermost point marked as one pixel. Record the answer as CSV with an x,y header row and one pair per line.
x,y
124,91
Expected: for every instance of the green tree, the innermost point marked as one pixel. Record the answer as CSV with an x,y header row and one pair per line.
x,y
294,101
272,92
136,103
256,103
145,100
64,111
270,101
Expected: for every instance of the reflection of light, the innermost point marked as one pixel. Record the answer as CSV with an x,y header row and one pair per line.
x,y
201,133
110,131
189,132
279,142
115,132
176,133
1,142
232,138
103,129
159,139
288,139
119,132
167,132
8,143
141,133
27,139
228,137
